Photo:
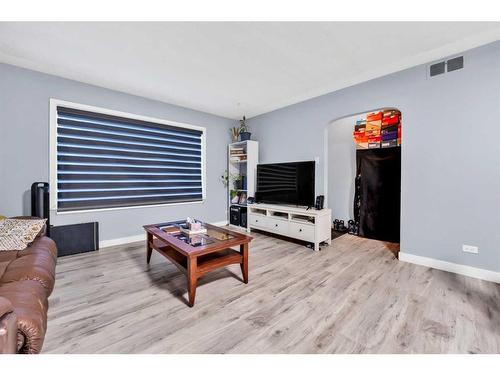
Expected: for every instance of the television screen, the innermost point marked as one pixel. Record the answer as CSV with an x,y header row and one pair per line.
x,y
286,183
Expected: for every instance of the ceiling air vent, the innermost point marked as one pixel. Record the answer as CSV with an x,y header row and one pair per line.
x,y
455,64
437,68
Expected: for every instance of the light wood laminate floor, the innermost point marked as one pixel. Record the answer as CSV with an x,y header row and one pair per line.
x,y
352,297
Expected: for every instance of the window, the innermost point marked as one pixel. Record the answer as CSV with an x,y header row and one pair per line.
x,y
106,159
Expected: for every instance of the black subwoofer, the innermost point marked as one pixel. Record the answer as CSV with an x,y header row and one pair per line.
x,y
76,238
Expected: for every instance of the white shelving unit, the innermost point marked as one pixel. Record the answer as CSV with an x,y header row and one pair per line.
x,y
243,163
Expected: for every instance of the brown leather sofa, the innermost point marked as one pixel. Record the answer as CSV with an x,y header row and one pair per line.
x,y
26,281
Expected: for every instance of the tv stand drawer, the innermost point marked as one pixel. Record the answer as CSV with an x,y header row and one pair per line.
x,y
278,226
302,231
259,221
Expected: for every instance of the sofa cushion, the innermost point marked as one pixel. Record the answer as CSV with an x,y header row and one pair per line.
x,y
37,263
35,267
29,300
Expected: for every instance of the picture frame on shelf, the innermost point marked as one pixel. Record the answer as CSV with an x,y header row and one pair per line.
x,y
235,197
242,197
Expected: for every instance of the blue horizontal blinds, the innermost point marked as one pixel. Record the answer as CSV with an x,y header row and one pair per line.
x,y
106,161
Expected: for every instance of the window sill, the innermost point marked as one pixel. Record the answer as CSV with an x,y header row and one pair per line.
x,y
125,208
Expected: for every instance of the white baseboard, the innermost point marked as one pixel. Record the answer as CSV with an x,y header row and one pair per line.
x,y
460,269
122,240
139,237
220,223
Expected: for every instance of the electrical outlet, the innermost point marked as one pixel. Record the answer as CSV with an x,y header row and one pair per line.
x,y
470,249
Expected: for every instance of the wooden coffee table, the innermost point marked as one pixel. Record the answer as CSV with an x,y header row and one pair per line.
x,y
199,254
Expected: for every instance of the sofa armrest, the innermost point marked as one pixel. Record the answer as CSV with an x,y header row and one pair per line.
x,y
8,328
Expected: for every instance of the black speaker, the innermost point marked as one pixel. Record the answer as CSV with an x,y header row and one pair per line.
x,y
243,217
234,215
40,202
320,201
76,238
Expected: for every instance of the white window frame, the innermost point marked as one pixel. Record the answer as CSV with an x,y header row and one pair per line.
x,y
54,103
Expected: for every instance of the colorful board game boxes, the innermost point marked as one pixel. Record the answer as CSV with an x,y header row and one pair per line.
x,y
380,129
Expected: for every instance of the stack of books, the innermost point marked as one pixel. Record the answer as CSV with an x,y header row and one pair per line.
x,y
237,154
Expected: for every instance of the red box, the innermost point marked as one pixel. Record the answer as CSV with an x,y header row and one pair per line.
x,y
360,138
374,116
390,120
391,112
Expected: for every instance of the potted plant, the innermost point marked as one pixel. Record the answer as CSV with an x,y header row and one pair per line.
x,y
231,179
243,131
237,181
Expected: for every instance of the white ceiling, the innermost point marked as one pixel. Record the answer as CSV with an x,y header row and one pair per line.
x,y
233,69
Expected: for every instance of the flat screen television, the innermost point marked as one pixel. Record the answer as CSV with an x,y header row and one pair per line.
x,y
286,183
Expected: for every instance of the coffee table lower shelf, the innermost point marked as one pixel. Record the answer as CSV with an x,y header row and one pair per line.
x,y
205,263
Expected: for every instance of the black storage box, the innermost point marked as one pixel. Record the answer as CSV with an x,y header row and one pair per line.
x,y
238,216
75,238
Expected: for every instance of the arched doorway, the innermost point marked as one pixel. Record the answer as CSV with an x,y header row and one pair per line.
x,y
369,163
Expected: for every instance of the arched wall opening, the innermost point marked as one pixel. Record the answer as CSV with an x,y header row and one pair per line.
x,y
340,164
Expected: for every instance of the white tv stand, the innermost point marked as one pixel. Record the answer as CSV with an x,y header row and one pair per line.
x,y
304,224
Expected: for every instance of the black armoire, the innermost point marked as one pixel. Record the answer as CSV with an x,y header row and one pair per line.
x,y
377,199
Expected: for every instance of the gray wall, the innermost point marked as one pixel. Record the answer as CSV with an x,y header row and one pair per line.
x,y
341,167
450,156
24,148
